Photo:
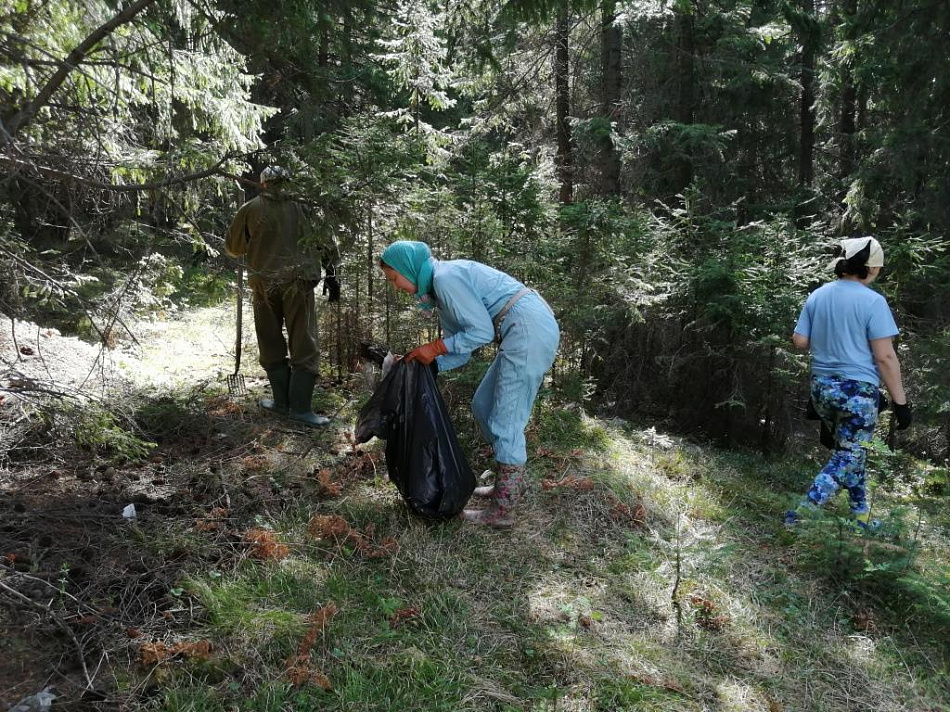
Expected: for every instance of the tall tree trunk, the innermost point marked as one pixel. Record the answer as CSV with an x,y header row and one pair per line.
x,y
349,82
809,37
847,119
370,267
323,54
565,149
806,153
611,37
389,318
686,85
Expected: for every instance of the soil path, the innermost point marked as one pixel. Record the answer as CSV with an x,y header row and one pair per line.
x,y
196,345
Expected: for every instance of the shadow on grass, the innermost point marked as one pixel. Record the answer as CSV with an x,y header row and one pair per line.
x,y
102,585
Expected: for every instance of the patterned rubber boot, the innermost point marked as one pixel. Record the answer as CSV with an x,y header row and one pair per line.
x,y
507,491
486,491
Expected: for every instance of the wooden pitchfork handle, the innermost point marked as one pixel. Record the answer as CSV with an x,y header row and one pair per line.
x,y
240,317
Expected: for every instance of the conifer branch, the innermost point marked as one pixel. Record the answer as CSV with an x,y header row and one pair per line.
x,y
26,114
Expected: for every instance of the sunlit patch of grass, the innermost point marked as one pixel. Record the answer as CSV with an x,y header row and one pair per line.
x,y
191,698
567,428
632,694
259,598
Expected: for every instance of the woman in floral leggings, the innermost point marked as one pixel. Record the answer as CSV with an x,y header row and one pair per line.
x,y
850,332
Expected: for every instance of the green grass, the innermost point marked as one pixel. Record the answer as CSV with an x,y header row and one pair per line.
x,y
573,609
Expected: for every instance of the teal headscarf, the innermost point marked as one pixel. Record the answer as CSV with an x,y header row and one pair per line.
x,y
413,260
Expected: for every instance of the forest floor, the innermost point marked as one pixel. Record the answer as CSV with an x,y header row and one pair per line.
x,y
271,567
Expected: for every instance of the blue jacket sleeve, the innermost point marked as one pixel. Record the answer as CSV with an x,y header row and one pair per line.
x,y
450,361
464,318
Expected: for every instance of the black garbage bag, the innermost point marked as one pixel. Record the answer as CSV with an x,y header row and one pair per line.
x,y
423,455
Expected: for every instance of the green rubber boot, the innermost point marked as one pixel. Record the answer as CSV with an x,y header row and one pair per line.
x,y
301,396
279,377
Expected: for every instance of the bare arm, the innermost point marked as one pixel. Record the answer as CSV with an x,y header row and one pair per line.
x,y
801,342
890,368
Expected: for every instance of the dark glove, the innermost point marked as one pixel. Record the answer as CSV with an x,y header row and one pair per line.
x,y
826,435
903,415
331,288
331,285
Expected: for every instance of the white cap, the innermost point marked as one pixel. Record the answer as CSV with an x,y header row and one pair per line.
x,y
274,173
853,245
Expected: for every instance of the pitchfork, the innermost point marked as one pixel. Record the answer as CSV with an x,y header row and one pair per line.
x,y
236,386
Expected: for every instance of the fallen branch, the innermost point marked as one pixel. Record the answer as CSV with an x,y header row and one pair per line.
x,y
59,623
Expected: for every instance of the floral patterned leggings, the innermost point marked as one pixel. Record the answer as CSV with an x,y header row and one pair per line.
x,y
849,408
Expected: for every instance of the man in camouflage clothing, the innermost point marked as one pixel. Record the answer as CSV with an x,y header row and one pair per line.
x,y
284,256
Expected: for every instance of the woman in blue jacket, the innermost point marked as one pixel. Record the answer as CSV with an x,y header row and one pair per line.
x,y
849,330
478,304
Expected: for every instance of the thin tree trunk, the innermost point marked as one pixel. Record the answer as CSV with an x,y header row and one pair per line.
x,y
389,308
26,114
847,119
347,62
370,268
766,435
806,154
357,308
686,85
809,38
612,77
565,149
323,54
338,308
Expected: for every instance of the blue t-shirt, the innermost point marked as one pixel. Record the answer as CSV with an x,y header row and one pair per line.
x,y
840,319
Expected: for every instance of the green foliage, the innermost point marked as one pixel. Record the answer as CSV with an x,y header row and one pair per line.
x,y
156,279
567,428
100,432
627,696
878,567
417,56
181,93
201,286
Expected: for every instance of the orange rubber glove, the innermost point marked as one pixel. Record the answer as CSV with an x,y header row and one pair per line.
x,y
427,353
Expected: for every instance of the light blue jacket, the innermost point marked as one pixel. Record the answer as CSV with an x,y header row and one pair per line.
x,y
468,295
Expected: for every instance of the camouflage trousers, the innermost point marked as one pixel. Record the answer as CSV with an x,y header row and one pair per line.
x,y
849,409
